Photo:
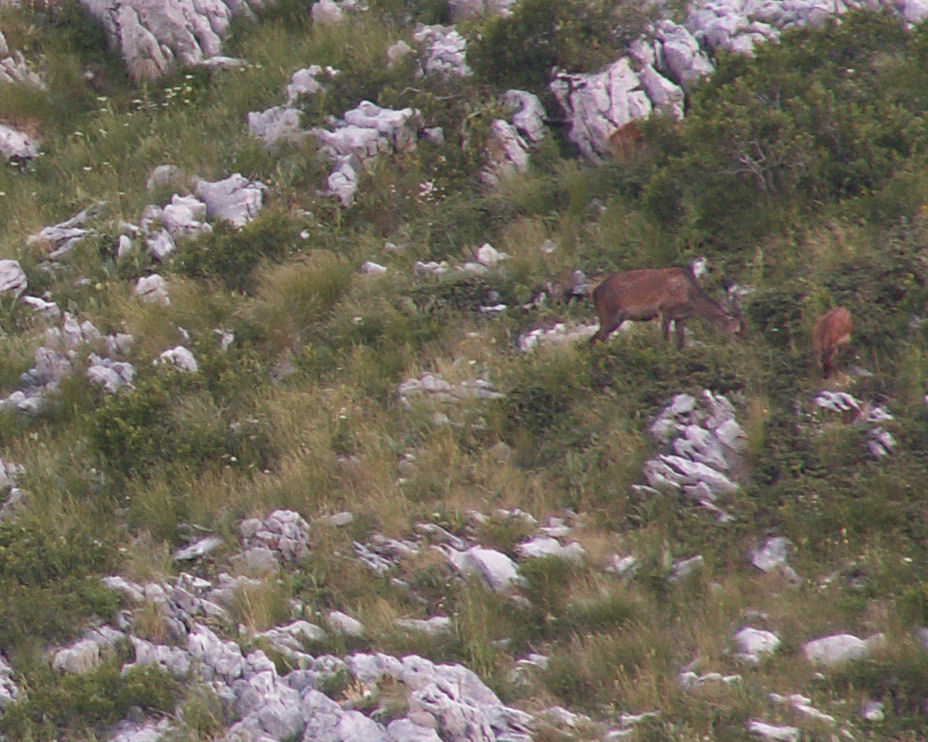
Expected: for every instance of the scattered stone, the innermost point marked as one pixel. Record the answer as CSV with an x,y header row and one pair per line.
x,y
283,532
17,146
600,104
772,555
78,659
831,651
685,567
201,548
370,266
755,644
59,240
166,177
46,308
326,12
551,547
12,278
803,705
559,334
445,51
872,711
152,288
364,134
691,681
434,626
111,375
235,199
342,623
494,567
708,447
772,732
397,52
9,691
434,387
180,358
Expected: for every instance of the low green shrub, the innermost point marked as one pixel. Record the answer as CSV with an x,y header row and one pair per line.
x,y
86,704
50,582
232,253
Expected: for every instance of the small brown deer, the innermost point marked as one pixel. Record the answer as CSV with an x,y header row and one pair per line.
x,y
673,294
832,331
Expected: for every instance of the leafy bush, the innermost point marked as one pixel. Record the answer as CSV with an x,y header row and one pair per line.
x,y
169,420
231,254
88,702
50,582
818,118
520,50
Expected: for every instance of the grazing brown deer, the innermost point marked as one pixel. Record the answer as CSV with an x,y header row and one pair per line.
x,y
832,331
673,294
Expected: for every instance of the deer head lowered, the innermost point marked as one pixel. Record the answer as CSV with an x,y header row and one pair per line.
x,y
672,294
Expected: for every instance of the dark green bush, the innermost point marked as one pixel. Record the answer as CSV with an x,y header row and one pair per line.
x,y
820,118
50,582
86,703
521,49
169,419
231,254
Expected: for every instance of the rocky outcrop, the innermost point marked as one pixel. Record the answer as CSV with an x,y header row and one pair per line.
x,y
671,57
445,51
599,104
510,142
363,134
155,36
707,446
63,353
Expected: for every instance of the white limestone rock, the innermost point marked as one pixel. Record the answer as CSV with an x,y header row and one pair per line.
x,y
180,358
111,375
445,52
277,125
152,288
163,177
546,546
528,115
16,145
342,623
326,12
772,554
235,199
492,566
597,105
12,278
755,644
507,153
155,36
837,649
78,659
773,732
434,626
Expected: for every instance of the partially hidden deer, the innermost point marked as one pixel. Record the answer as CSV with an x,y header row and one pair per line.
x,y
672,294
832,332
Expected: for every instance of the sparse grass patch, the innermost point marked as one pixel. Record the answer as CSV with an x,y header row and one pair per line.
x,y
86,703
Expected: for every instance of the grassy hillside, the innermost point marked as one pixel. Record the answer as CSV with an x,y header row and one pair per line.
x,y
801,175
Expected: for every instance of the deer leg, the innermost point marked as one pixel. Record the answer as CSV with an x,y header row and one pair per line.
x,y
665,326
680,331
606,327
828,363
